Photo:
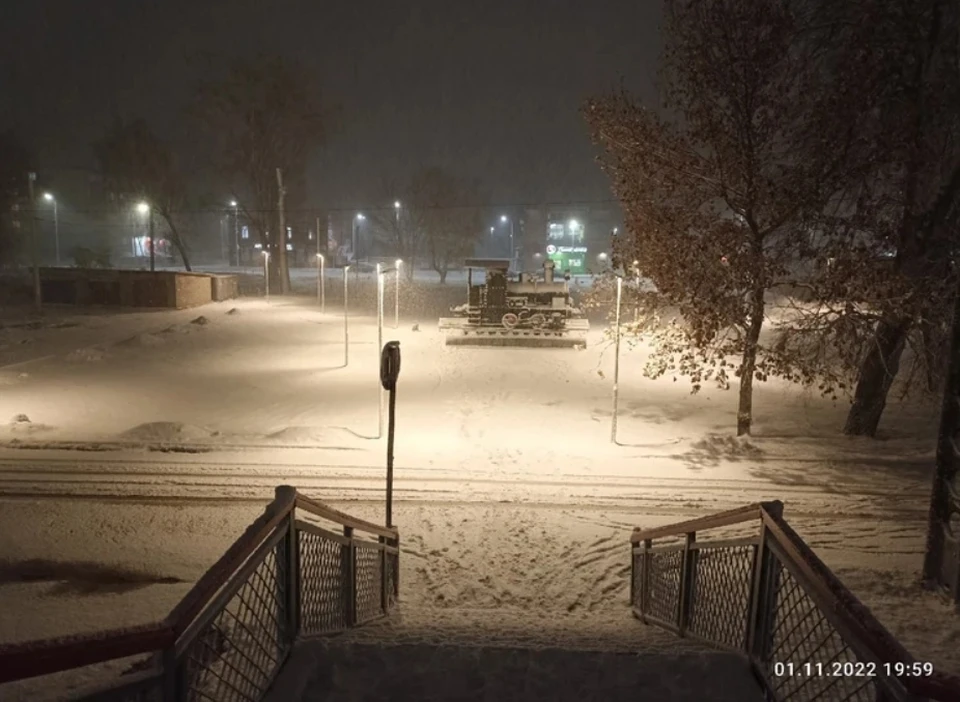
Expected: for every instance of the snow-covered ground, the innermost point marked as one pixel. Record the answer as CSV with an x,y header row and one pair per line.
x,y
140,445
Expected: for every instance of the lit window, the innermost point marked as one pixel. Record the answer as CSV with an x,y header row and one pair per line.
x,y
289,247
289,233
258,246
244,232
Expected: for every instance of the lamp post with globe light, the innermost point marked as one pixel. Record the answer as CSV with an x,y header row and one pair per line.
x,y
504,220
144,209
56,225
236,230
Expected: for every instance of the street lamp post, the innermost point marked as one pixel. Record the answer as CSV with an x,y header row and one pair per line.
x,y
616,366
56,225
356,236
321,284
266,274
379,346
504,219
396,298
145,209
346,316
236,230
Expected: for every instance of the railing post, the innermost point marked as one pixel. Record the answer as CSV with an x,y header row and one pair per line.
x,y
645,579
293,578
763,594
174,681
287,570
384,599
348,561
687,582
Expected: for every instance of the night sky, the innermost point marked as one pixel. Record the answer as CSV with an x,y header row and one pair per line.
x,y
488,89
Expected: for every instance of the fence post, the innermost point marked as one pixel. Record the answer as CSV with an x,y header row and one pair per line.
x,y
763,595
293,578
384,600
174,681
687,580
396,569
348,561
645,579
633,576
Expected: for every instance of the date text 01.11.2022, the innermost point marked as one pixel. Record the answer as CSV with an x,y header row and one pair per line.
x,y
852,669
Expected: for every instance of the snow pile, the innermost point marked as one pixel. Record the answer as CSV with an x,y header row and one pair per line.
x,y
146,339
89,354
167,432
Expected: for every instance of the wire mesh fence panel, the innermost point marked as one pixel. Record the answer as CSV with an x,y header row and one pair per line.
x,y
663,585
721,594
805,657
237,654
323,591
368,574
393,581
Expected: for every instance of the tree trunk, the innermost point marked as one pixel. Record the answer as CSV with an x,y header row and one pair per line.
x,y
443,275
749,365
877,373
283,272
182,250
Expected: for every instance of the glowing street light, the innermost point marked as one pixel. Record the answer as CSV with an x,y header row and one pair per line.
x,y
396,300
616,366
236,228
321,284
346,316
379,347
266,274
356,234
56,224
144,209
503,220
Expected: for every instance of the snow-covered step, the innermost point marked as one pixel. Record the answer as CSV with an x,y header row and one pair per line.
x,y
331,671
506,653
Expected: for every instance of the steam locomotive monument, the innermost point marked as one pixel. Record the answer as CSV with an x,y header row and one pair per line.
x,y
522,312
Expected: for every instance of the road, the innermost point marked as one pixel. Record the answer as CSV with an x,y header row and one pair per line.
x,y
197,479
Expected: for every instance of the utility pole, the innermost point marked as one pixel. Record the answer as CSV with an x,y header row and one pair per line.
x,y
34,252
282,246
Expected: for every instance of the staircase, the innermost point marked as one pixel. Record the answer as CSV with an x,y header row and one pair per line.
x,y
509,655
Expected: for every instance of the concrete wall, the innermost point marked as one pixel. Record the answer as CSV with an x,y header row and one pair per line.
x,y
169,289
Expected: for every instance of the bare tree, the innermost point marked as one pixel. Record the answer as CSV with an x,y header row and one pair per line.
x,y
136,163
447,210
263,115
717,204
15,163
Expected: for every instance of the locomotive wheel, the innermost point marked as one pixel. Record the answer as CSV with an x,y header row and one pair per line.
x,y
537,321
510,320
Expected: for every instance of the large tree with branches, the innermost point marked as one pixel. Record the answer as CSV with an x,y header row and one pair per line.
x,y
718,206
447,211
263,115
136,164
898,62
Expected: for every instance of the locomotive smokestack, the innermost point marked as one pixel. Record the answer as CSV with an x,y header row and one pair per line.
x,y
548,271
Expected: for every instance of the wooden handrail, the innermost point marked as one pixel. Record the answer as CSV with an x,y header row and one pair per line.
x,y
47,656
219,573
711,521
322,510
856,616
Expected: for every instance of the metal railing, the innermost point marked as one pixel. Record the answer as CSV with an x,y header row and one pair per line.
x,y
230,635
768,596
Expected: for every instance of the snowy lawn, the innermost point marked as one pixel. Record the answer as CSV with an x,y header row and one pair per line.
x,y
511,497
